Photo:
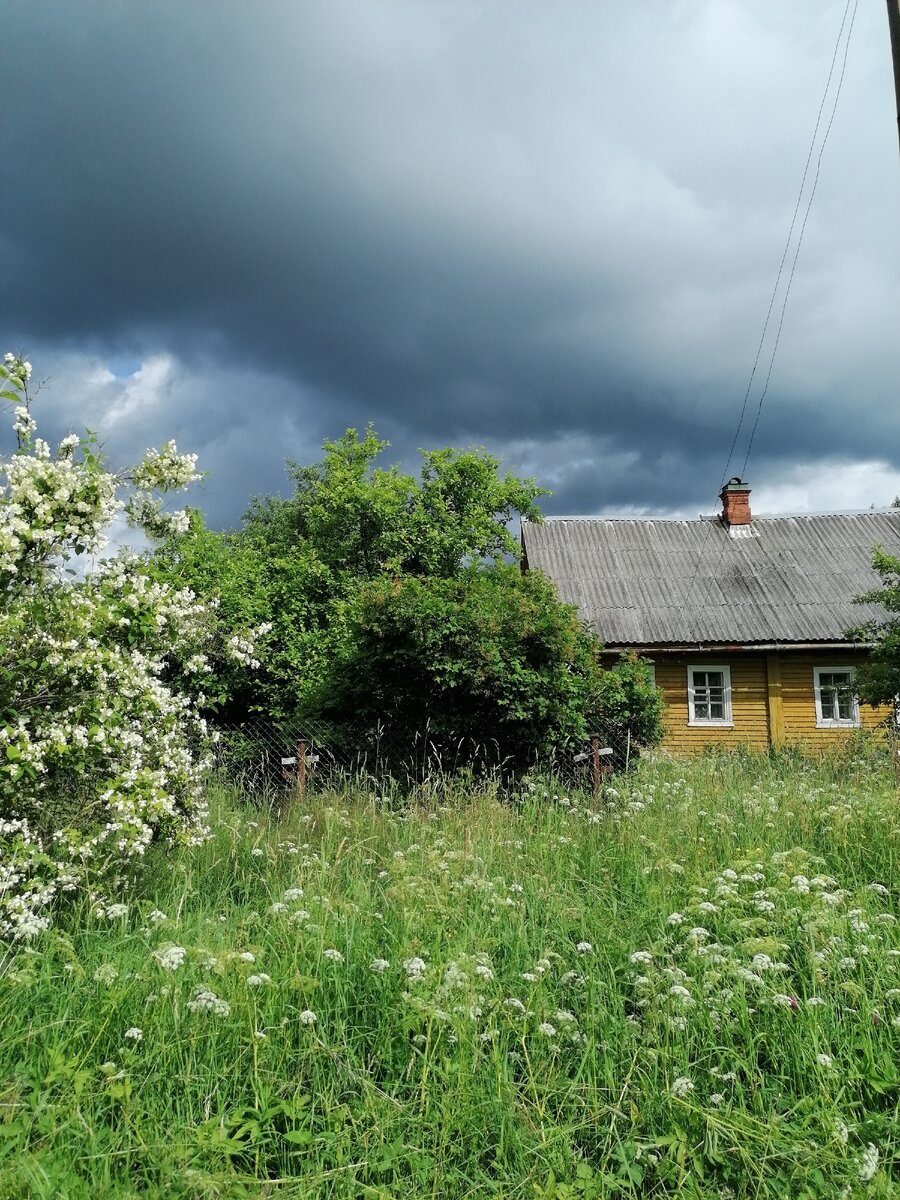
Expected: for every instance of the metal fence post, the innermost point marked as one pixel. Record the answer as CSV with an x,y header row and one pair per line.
x,y
595,761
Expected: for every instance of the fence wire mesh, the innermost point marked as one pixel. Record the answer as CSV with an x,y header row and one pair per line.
x,y
259,754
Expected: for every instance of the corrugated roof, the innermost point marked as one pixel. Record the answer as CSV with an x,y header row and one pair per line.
x,y
643,582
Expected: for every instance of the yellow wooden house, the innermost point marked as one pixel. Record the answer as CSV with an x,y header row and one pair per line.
x,y
744,618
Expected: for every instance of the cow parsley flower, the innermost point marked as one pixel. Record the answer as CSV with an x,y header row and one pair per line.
x,y
206,1001
681,1087
134,1034
106,973
334,955
868,1163
307,1017
547,1029
170,958
379,965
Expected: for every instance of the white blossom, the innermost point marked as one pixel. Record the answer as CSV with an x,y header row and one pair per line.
x,y
868,1163
207,1001
170,958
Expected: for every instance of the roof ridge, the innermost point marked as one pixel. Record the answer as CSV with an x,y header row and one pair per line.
x,y
787,516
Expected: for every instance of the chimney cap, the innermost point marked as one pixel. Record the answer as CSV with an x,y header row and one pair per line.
x,y
735,484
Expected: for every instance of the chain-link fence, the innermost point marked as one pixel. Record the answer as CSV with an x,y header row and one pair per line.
x,y
259,754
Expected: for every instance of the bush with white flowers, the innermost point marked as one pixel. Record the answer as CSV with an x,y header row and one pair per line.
x,y
101,752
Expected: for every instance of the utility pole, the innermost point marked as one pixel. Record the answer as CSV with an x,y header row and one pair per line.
x,y
893,7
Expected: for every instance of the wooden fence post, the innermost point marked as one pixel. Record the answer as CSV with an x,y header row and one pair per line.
x,y
301,768
595,761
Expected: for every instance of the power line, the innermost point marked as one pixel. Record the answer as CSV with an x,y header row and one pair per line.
x,y
787,292
787,244
834,57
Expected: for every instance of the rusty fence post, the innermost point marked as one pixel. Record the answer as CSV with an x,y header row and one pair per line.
x,y
301,768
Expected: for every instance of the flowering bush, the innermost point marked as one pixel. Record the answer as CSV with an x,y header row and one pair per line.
x,y
101,753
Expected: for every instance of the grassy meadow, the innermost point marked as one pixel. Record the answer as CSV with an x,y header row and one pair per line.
x,y
690,988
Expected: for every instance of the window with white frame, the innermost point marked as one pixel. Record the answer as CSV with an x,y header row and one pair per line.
x,y
837,706
709,696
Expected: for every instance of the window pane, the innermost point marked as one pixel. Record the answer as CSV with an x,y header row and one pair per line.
x,y
709,695
836,695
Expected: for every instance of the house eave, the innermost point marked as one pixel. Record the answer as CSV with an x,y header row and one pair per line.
x,y
733,647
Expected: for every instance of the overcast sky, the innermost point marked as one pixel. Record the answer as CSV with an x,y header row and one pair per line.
x,y
552,229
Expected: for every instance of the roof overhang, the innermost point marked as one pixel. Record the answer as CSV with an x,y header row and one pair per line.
x,y
734,648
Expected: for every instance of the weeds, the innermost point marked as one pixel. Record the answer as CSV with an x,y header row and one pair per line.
x,y
690,988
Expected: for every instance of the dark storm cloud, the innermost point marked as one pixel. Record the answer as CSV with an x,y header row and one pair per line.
x,y
551,231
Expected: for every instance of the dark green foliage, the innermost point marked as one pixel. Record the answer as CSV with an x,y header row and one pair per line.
x,y
393,605
489,656
878,679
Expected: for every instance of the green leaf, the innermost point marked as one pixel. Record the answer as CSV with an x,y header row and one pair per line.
x,y
298,1137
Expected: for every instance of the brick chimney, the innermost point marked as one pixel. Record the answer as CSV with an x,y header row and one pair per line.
x,y
735,497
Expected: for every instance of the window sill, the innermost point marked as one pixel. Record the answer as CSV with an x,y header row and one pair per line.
x,y
710,724
838,725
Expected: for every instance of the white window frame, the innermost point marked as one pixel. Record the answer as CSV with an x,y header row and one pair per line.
x,y
823,722
726,722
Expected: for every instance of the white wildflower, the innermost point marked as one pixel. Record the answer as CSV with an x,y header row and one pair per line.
x,y
206,1001
134,1034
106,973
868,1163
681,1087
170,958
308,1017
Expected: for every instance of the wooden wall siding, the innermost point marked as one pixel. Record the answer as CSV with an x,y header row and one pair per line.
x,y
799,699
749,704
772,700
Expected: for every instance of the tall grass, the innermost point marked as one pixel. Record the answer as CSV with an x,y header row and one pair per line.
x,y
689,988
